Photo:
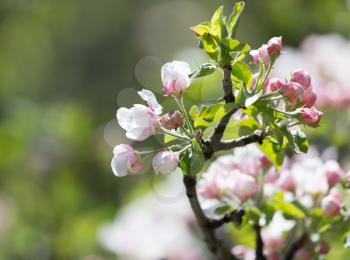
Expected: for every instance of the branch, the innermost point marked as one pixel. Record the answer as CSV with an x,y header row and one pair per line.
x,y
259,244
227,84
243,141
215,245
296,246
234,216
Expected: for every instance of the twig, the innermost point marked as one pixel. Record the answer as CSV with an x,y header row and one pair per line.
x,y
227,84
259,244
234,216
295,247
215,245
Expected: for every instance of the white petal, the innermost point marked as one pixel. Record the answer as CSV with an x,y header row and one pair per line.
x,y
119,166
151,100
124,117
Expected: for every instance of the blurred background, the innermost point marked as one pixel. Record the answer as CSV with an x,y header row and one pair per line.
x,y
65,68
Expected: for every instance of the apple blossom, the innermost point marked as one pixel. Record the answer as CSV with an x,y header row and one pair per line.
x,y
302,77
331,204
260,53
272,234
175,77
333,172
171,121
125,161
310,97
294,92
165,162
274,46
275,84
310,116
140,122
220,182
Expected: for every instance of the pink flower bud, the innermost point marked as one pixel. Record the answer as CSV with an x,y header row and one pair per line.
x,y
294,92
310,116
331,204
310,97
275,84
286,181
333,172
274,46
302,77
260,53
175,77
173,121
125,161
165,162
265,162
323,248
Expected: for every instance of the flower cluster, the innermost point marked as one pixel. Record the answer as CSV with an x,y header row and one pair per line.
x,y
254,109
323,56
232,179
316,187
140,122
297,93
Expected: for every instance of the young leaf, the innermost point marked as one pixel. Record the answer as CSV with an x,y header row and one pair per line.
x,y
210,46
298,141
273,152
203,28
217,23
242,72
203,70
234,19
289,209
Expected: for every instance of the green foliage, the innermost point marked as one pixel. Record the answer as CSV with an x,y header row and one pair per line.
x,y
289,209
193,160
203,70
217,37
273,151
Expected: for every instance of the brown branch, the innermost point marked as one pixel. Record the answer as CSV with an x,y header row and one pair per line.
x,y
234,216
227,84
259,244
295,246
243,141
215,245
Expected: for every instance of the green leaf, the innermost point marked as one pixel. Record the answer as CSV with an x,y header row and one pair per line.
x,y
218,24
289,209
252,99
210,46
273,151
207,115
203,70
242,72
241,97
169,138
298,141
203,28
231,43
234,19
197,158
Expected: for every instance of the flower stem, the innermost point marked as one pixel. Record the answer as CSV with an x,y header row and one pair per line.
x,y
184,112
175,135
